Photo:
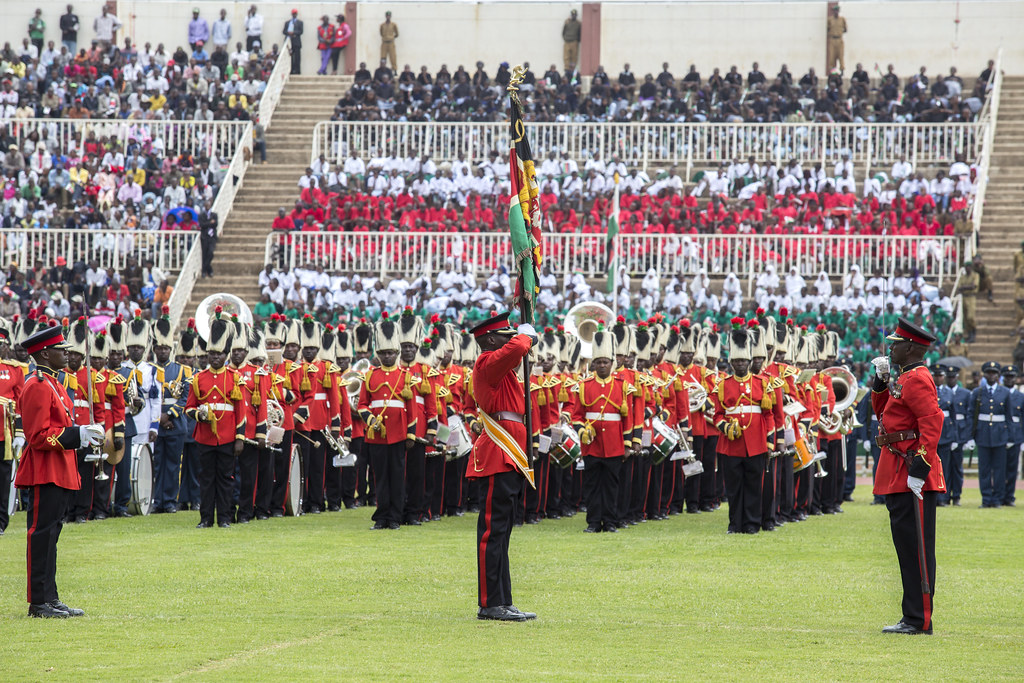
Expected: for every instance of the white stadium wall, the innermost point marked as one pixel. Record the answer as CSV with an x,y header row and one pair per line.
x,y
907,33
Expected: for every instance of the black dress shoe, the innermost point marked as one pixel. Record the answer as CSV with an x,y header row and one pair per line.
x,y
848,498
592,529
46,611
1011,504
460,513
499,614
554,515
171,510
907,629
262,516
394,526
243,520
516,610
414,522
334,508
122,513
224,525
204,525
435,518
72,611
610,528
693,510
99,516
768,527
277,513
956,502
751,529
81,519
377,526
315,510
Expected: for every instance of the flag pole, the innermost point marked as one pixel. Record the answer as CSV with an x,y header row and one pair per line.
x,y
525,309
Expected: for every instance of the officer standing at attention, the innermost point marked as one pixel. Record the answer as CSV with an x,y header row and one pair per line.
x,y
1016,442
571,31
909,472
388,35
499,459
48,466
964,426
990,416
950,430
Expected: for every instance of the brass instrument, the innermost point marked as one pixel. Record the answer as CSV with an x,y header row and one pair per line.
x,y
230,305
353,380
275,414
698,396
844,386
341,452
581,321
132,400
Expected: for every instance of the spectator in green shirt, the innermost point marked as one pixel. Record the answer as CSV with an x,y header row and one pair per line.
x,y
37,30
265,308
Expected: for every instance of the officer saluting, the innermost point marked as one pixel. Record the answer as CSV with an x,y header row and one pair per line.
x,y
909,471
498,459
48,466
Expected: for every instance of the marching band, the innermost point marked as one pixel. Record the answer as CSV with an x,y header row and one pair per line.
x,y
631,421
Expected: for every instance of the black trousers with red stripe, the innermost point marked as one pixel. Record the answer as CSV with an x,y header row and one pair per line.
x,y
248,471
500,494
743,477
917,607
49,502
81,500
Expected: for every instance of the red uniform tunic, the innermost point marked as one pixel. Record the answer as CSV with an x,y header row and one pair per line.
x,y
424,399
384,395
636,408
12,380
51,436
828,398
318,403
744,400
911,404
286,391
496,387
219,390
110,385
254,383
602,407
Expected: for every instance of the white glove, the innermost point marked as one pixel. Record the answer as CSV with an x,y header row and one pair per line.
x,y
91,435
867,445
969,446
916,485
881,364
18,443
953,446
527,329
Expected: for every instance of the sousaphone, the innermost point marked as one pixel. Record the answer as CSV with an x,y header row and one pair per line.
x,y
230,305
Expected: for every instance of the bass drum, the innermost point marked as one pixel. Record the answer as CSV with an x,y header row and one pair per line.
x,y
293,495
12,502
142,480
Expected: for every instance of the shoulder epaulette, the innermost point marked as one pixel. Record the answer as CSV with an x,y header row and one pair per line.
x,y
116,378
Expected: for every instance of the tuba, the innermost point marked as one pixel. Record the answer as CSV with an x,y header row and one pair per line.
x,y
581,321
844,386
230,305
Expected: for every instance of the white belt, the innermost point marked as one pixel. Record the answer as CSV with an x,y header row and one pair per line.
x,y
946,413
320,397
79,403
605,417
226,407
419,399
1016,419
170,401
743,410
992,418
387,404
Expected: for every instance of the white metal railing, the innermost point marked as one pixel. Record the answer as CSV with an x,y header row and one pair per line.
x,y
275,85
685,145
222,205
990,113
411,254
208,138
109,248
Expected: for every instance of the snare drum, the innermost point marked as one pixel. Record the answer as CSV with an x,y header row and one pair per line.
x,y
459,440
663,440
567,450
802,456
293,494
142,480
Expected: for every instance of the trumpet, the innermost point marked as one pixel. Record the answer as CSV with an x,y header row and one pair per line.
x,y
334,444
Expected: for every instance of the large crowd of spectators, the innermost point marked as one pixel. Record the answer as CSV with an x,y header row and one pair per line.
x,y
476,95
389,193
107,79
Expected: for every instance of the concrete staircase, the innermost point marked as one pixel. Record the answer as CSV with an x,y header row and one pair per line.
x,y
1002,228
306,100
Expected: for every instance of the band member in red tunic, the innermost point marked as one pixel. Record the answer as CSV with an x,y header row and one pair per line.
x,y
12,379
498,459
601,413
909,470
739,400
48,466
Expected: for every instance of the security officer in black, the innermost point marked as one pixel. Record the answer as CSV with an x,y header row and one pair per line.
x,y
950,429
208,222
1016,442
961,400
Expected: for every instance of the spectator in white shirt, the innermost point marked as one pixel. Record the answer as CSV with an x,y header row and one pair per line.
x,y
308,180
844,183
572,186
220,33
844,165
594,185
253,29
354,166
902,169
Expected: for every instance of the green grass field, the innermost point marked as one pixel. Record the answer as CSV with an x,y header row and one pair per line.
x,y
323,597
